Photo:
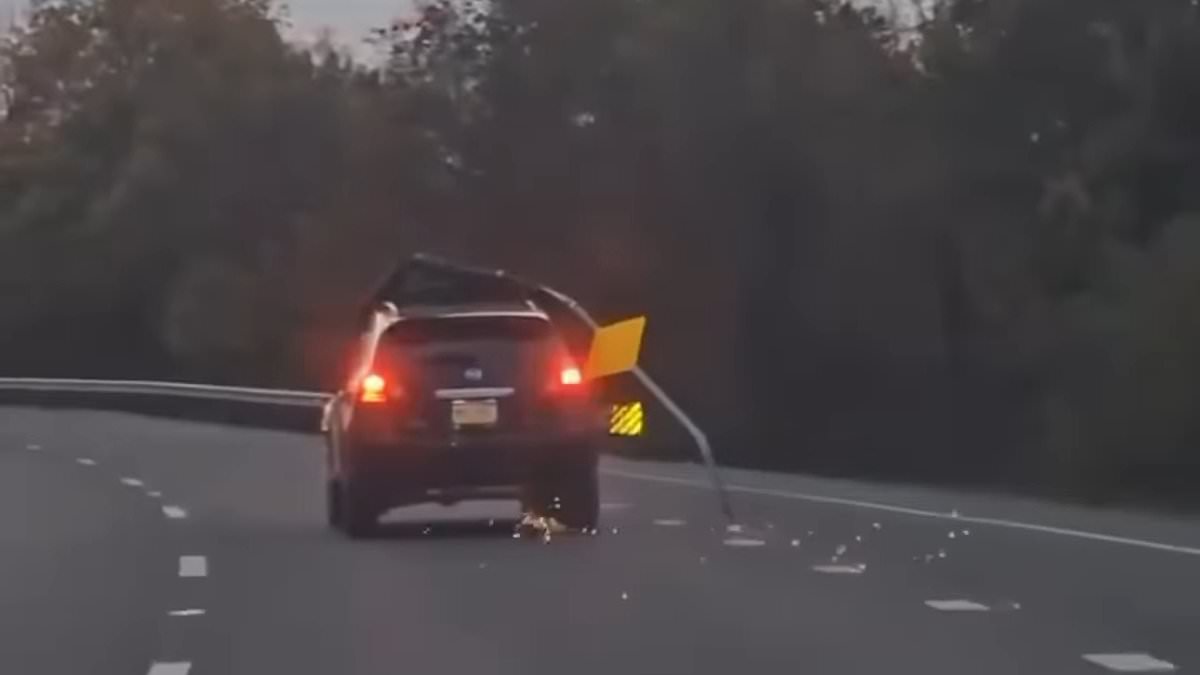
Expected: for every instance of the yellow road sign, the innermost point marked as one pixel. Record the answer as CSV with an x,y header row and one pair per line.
x,y
615,348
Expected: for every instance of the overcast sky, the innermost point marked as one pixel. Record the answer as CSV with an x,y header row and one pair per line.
x,y
7,7
349,19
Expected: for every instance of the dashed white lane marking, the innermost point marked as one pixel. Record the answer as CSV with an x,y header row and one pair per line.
x,y
186,612
956,606
840,569
86,461
744,542
132,482
33,446
670,522
921,513
174,512
154,494
180,668
614,506
193,566
1130,663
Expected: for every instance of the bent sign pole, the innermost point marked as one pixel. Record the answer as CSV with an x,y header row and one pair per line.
x,y
698,435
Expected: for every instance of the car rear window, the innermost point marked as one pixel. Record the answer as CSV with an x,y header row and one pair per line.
x,y
470,329
436,352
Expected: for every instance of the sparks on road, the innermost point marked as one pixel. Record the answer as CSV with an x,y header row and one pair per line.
x,y
921,513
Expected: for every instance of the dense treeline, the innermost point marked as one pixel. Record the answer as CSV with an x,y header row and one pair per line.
x,y
967,249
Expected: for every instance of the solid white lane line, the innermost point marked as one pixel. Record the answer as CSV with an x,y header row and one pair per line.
x,y
1130,663
180,668
1083,534
85,461
174,512
839,569
953,515
766,492
193,566
132,482
670,522
186,612
956,606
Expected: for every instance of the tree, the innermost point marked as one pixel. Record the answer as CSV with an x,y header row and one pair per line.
x,y
143,134
1075,119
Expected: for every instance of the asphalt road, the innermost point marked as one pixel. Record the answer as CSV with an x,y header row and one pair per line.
x,y
130,545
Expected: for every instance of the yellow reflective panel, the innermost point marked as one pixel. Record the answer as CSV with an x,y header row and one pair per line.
x,y
615,348
627,420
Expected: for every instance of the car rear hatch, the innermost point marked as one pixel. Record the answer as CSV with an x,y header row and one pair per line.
x,y
475,375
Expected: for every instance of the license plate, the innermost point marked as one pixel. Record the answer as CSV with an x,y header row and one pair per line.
x,y
474,413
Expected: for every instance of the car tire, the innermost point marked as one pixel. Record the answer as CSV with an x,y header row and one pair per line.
x,y
356,517
333,504
579,507
571,496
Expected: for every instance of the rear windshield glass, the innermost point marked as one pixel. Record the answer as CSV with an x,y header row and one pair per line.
x,y
470,329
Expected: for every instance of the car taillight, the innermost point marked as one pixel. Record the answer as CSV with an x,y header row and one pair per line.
x,y
373,389
566,379
570,376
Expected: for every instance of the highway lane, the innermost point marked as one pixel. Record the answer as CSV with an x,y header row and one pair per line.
x,y
84,565
804,586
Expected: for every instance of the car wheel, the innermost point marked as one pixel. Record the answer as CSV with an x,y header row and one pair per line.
x,y
570,495
357,518
333,504
578,505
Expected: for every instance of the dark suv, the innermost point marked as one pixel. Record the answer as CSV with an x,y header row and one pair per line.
x,y
466,401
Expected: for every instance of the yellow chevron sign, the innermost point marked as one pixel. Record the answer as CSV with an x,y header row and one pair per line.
x,y
627,419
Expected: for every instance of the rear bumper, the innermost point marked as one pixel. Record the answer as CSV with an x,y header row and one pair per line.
x,y
416,470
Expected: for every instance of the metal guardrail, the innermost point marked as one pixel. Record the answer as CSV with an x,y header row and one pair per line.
x,y
279,397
